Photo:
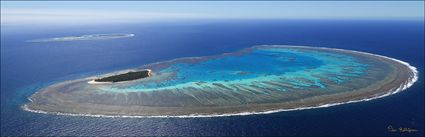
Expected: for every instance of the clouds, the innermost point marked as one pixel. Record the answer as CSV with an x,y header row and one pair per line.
x,y
10,16
94,12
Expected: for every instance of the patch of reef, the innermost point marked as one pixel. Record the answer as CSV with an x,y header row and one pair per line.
x,y
84,37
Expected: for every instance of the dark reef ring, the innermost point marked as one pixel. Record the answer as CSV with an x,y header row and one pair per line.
x,y
260,79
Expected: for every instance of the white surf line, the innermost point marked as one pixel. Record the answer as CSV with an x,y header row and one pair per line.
x,y
411,80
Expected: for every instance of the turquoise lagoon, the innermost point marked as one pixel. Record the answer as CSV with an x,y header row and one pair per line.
x,y
296,67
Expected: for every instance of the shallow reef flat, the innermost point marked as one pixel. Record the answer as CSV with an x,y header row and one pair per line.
x,y
260,79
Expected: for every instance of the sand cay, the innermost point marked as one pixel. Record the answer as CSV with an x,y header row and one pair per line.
x,y
257,80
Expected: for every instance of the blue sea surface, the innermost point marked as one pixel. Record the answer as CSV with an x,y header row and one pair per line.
x,y
27,67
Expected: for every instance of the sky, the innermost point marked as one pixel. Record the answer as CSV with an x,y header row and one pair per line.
x,y
80,12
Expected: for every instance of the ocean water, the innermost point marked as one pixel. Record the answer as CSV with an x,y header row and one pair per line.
x,y
27,67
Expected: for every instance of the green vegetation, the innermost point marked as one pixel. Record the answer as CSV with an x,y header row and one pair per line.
x,y
125,77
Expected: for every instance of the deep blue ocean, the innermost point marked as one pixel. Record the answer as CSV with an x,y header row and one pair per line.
x,y
27,67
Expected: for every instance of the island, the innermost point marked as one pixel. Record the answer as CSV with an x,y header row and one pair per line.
x,y
257,80
126,76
